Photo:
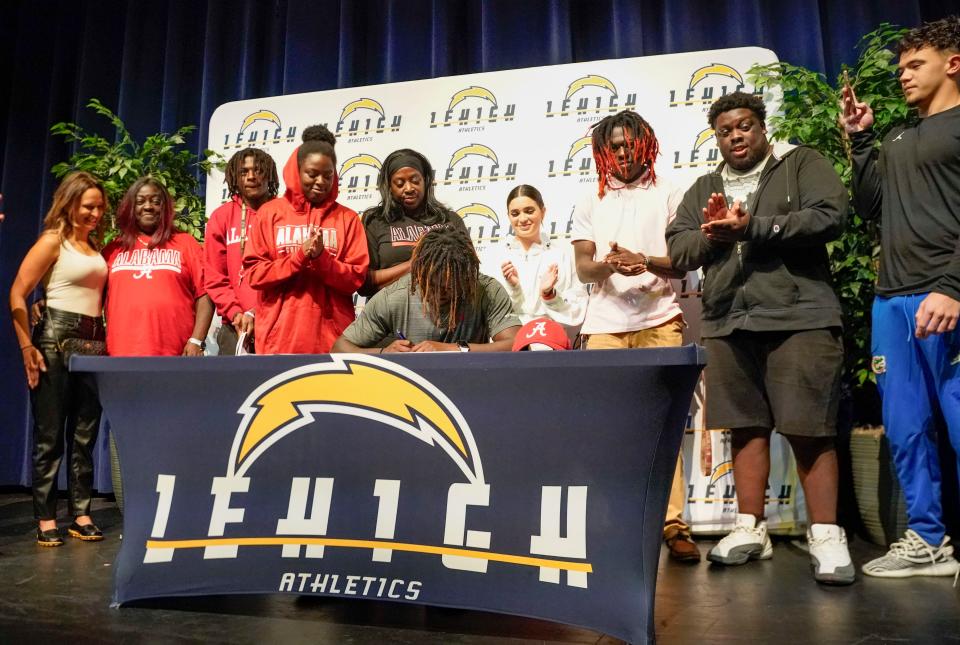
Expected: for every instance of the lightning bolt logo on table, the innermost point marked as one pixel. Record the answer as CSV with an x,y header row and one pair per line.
x,y
359,386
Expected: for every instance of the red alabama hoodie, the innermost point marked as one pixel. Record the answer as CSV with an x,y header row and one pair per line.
x,y
304,304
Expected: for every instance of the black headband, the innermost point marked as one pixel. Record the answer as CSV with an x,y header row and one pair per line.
x,y
406,160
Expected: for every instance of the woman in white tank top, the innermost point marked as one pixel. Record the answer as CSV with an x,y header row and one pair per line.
x,y
66,260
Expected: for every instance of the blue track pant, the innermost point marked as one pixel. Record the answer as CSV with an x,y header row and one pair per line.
x,y
920,384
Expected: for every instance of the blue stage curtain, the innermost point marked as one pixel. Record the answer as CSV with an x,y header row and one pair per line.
x,y
164,64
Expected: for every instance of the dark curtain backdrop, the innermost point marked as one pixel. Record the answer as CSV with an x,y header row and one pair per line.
x,y
164,64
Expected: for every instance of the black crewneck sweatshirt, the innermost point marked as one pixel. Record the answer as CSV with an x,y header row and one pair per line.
x,y
913,182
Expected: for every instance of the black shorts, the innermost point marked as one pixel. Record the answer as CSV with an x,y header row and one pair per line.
x,y
788,380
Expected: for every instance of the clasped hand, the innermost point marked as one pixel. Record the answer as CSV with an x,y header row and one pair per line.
x,y
624,261
313,246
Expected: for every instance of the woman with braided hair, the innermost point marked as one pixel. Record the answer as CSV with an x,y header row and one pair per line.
x,y
307,255
620,246
443,304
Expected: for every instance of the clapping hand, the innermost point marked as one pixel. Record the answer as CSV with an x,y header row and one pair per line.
x,y
313,246
510,273
724,224
548,282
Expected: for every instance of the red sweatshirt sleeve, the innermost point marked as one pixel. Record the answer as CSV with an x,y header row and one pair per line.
x,y
215,274
349,273
260,262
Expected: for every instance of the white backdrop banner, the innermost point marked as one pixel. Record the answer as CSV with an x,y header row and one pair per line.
x,y
486,133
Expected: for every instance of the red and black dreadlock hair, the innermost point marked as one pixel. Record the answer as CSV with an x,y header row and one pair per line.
x,y
641,143
445,272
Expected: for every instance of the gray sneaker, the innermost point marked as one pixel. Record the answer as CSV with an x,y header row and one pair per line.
x,y
747,541
912,556
829,555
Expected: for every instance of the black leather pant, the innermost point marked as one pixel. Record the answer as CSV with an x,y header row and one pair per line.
x,y
65,407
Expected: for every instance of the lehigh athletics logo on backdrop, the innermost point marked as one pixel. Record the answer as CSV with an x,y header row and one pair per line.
x,y
259,128
577,162
702,153
474,165
389,400
589,98
364,117
358,177
707,84
482,223
471,109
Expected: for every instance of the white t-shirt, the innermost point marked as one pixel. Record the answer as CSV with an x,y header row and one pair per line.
x,y
570,303
635,216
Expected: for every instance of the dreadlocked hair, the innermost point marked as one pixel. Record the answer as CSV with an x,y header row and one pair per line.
x,y
264,164
445,271
641,144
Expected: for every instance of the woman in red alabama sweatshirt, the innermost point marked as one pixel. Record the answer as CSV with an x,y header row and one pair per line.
x,y
306,255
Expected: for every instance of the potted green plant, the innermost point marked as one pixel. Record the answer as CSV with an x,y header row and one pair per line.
x,y
810,116
120,162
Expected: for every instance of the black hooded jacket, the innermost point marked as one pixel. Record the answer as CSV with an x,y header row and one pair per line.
x,y
778,277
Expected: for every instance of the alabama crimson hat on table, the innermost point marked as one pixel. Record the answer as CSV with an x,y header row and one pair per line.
x,y
541,333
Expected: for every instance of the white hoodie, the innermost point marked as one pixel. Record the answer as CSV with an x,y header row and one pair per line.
x,y
567,307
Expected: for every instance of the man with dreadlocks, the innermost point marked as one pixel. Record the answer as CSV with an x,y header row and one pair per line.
x,y
443,304
759,225
251,178
618,239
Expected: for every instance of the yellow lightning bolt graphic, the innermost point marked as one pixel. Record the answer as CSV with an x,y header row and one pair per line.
x,y
359,160
368,104
481,210
703,137
262,115
592,80
723,469
715,69
472,92
473,149
359,386
579,145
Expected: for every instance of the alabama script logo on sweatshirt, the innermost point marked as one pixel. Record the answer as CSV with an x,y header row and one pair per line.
x,y
291,237
145,261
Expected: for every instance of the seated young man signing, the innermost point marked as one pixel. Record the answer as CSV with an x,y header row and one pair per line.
x,y
444,304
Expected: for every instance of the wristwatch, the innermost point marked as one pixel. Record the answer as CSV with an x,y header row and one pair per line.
x,y
199,343
463,345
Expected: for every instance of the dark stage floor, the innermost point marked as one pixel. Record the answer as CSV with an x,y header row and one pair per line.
x,y
62,595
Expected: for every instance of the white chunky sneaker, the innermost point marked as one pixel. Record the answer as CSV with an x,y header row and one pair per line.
x,y
829,556
747,541
912,556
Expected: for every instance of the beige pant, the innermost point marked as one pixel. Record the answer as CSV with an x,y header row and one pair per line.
x,y
669,334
